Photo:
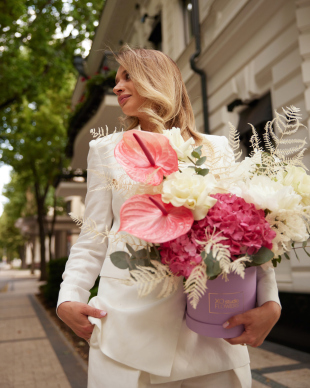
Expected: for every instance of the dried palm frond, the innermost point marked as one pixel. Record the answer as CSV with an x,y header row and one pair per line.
x,y
285,125
89,226
234,141
147,279
196,284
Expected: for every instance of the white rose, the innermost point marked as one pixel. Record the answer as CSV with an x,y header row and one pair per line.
x,y
299,180
190,190
182,148
265,193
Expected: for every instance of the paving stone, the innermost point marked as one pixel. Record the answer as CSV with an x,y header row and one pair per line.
x,y
299,378
21,328
263,359
31,364
257,384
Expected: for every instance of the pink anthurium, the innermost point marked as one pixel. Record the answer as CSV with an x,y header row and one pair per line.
x,y
149,218
146,156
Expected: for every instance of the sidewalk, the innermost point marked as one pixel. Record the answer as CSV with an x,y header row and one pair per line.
x,y
34,354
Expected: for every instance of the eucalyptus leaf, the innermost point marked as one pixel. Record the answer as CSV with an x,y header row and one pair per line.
x,y
131,250
296,254
198,150
195,155
154,254
120,259
202,171
262,256
201,161
276,261
213,266
286,256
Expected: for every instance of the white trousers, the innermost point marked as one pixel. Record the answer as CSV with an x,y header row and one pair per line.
x,y
103,372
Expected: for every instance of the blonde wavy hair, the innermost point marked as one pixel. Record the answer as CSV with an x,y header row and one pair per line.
x,y
157,78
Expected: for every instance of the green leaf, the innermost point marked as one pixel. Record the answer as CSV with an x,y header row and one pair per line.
x,y
262,256
120,259
276,261
304,244
296,254
201,161
213,266
198,150
306,252
195,155
154,254
202,171
286,256
131,250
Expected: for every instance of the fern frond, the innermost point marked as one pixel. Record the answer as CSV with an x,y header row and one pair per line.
x,y
76,219
234,141
196,284
255,141
100,132
147,278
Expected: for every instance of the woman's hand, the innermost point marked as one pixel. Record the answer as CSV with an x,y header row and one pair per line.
x,y
75,314
257,322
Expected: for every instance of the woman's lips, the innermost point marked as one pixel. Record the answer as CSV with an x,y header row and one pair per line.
x,y
123,98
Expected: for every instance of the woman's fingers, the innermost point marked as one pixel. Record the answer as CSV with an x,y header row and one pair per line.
x,y
75,315
257,323
92,311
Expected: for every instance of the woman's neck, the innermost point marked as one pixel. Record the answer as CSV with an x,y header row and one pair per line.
x,y
146,125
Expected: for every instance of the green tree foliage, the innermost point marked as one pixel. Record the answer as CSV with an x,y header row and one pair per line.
x,y
11,240
38,41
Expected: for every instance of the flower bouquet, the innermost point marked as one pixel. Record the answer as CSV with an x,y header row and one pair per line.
x,y
210,220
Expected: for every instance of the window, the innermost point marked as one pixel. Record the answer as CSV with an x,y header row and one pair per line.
x,y
156,34
68,207
257,113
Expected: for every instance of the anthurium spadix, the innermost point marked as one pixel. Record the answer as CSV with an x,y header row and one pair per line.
x,y
149,218
146,157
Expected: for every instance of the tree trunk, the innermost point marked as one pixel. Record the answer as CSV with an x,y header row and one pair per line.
x,y
40,196
32,246
41,219
51,231
22,255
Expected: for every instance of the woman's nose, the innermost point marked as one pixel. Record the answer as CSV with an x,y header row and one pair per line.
x,y
118,87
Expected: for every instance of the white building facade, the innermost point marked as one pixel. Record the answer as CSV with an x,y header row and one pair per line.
x,y
256,56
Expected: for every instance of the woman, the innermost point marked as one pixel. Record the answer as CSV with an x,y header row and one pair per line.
x,y
145,342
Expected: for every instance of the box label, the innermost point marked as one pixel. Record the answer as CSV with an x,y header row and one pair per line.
x,y
226,303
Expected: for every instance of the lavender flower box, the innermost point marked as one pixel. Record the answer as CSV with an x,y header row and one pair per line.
x,y
221,301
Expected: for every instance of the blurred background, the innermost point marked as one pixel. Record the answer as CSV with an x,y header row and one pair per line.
x,y
240,60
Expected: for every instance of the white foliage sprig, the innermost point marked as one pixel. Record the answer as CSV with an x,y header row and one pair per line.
x,y
147,279
196,284
89,226
275,135
234,141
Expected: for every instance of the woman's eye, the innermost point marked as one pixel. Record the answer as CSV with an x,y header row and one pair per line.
x,y
127,76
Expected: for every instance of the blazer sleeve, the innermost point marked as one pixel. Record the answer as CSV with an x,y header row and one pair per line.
x,y
267,288
87,254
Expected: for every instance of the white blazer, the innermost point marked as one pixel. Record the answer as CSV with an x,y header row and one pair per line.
x,y
147,333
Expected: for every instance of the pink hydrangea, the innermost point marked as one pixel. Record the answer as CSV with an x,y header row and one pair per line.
x,y
245,228
181,254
